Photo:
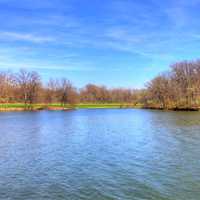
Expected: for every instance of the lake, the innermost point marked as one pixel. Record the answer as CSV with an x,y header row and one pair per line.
x,y
100,154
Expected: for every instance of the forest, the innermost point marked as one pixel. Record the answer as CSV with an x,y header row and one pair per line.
x,y
176,89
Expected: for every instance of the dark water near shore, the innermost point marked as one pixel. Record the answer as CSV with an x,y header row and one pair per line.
x,y
100,155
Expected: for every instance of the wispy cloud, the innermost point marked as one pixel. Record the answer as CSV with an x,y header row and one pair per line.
x,y
16,36
123,34
75,36
24,57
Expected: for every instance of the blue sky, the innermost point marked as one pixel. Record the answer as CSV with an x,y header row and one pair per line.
x,y
110,42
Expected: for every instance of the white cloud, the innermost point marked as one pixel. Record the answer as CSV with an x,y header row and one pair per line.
x,y
122,34
25,37
22,57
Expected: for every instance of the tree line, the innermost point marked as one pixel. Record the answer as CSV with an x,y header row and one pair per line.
x,y
178,88
27,87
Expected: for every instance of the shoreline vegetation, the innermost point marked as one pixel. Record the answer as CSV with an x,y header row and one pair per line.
x,y
177,89
58,107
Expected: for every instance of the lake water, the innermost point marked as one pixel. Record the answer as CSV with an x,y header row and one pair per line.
x,y
110,154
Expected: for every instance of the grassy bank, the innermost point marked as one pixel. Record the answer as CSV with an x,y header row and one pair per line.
x,y
57,106
33,107
106,105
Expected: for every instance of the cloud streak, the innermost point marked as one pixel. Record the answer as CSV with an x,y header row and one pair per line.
x,y
25,37
100,35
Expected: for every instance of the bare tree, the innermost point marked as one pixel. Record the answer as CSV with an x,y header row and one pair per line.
x,y
28,84
67,93
6,87
51,91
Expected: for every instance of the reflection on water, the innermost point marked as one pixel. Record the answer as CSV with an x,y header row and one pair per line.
x,y
100,154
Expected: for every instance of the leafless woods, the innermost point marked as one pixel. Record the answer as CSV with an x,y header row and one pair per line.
x,y
177,88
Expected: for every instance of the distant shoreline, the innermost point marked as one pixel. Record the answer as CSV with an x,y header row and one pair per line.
x,y
57,107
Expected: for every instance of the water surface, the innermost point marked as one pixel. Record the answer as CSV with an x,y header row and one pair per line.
x,y
108,154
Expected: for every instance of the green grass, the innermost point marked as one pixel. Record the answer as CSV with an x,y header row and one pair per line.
x,y
22,105
13,105
98,105
78,106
